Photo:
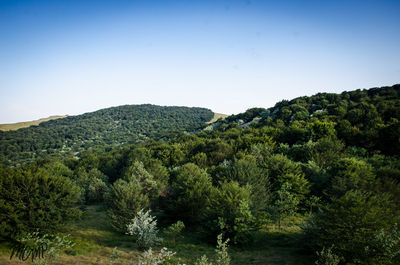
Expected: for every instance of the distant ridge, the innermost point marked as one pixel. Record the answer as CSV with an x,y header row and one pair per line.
x,y
103,129
25,124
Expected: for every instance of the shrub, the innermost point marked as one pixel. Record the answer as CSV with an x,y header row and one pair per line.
x,y
153,258
203,261
285,205
223,257
327,257
93,184
175,229
385,246
37,247
360,224
144,228
32,199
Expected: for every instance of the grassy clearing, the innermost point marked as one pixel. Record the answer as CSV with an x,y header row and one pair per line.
x,y
95,240
19,125
216,117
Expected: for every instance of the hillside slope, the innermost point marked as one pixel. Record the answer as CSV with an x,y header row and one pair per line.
x,y
101,129
25,124
285,182
366,118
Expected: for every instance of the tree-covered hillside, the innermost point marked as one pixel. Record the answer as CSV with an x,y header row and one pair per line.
x,y
311,179
362,118
104,129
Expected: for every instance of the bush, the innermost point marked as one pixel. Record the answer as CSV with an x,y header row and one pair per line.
x,y
36,246
203,261
175,229
31,199
93,184
144,228
327,257
351,223
222,257
153,258
222,251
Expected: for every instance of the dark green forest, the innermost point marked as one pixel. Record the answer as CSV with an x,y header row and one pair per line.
x,y
327,164
103,129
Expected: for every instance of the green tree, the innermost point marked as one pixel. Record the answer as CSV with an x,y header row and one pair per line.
x,y
351,223
125,200
231,204
138,174
322,129
189,193
350,173
32,199
326,151
93,184
280,170
200,159
255,179
285,204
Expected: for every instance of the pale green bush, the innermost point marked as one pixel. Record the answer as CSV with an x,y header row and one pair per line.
x,y
144,227
203,261
40,248
223,257
153,258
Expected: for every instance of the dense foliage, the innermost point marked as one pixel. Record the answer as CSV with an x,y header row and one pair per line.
x,y
331,159
35,199
102,129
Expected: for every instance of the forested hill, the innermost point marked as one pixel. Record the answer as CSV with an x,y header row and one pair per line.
x,y
105,128
368,118
320,174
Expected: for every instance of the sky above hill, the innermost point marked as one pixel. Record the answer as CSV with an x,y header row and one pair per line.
x,y
75,56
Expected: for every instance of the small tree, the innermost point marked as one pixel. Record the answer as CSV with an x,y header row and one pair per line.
x,y
93,184
286,203
231,203
144,228
175,229
124,202
350,174
189,193
223,257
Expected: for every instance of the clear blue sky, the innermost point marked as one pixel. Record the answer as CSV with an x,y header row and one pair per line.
x,y
71,57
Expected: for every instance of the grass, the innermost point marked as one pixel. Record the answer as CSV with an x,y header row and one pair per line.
x,y
19,125
95,241
216,117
